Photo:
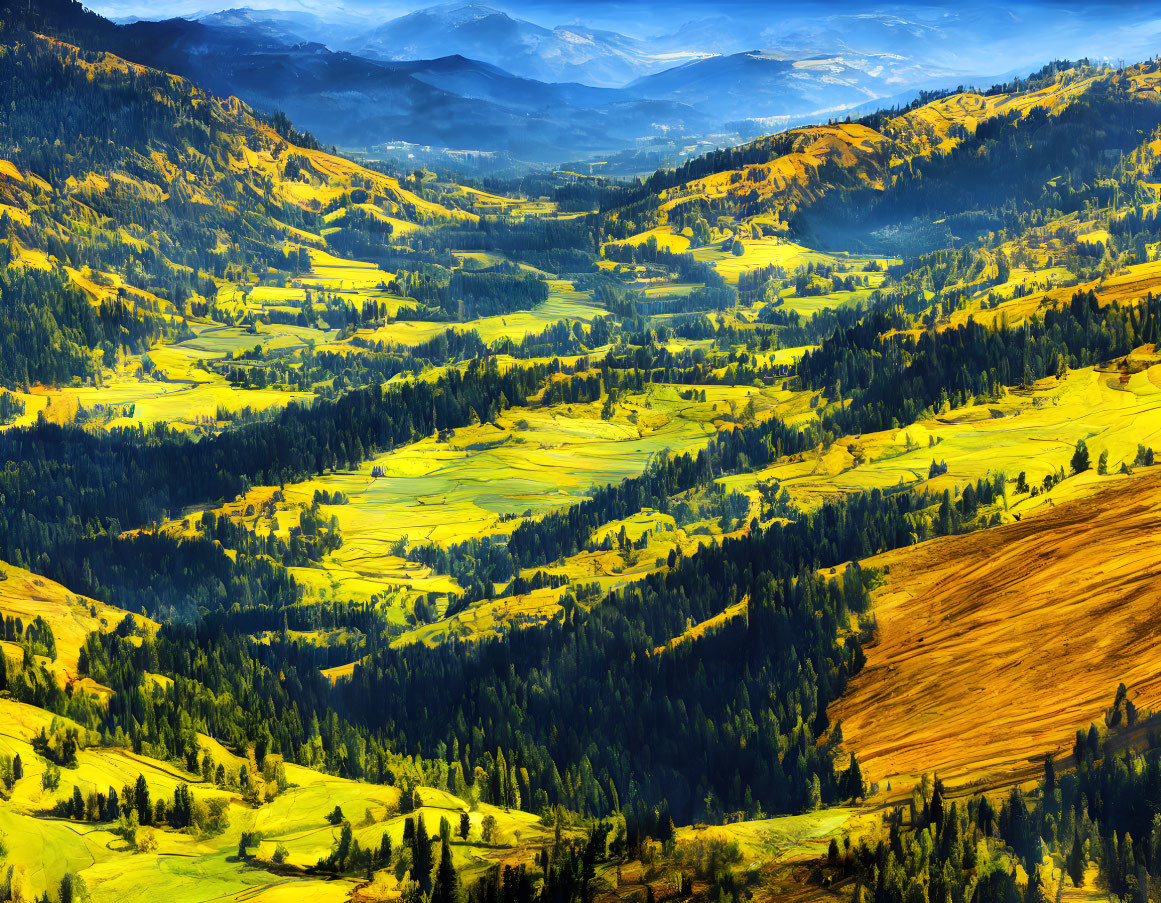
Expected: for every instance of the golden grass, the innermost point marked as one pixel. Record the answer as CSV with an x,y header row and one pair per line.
x,y
788,179
996,647
1034,432
563,303
666,238
27,596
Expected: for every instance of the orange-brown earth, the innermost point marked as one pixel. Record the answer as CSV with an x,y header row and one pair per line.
x,y
995,647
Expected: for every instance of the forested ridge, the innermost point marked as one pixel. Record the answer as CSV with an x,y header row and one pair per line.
x,y
891,380
67,494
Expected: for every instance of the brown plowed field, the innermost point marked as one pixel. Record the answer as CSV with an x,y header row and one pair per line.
x,y
995,647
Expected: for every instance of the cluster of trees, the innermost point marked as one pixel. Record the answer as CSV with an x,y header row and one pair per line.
x,y
1103,812
430,879
752,283
892,380
564,873
48,330
309,541
133,808
552,245
67,494
11,407
471,293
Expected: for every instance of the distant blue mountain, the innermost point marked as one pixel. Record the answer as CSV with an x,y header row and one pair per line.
x,y
562,54
449,102
471,77
765,84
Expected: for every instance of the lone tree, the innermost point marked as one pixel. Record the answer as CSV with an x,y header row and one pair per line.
x,y
465,825
1080,457
936,809
1075,862
446,888
421,856
853,780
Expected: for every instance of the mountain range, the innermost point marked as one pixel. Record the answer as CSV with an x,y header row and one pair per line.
x,y
564,53
393,84
469,77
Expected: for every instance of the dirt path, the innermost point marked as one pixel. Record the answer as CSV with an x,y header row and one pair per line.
x,y
995,647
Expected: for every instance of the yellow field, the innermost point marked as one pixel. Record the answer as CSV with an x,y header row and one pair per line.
x,y
1034,432
778,252
666,238
186,396
563,303
807,306
330,273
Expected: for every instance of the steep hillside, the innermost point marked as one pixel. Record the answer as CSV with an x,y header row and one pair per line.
x,y
915,178
156,193
995,648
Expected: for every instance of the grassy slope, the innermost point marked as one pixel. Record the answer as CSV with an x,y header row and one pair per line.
x,y
995,647
1032,431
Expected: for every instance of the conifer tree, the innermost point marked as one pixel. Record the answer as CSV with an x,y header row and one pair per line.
x,y
421,860
1074,864
446,881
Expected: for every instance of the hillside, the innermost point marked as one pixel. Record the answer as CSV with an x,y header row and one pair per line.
x,y
233,192
996,647
882,181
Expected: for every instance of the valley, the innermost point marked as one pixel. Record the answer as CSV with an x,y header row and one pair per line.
x,y
780,525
